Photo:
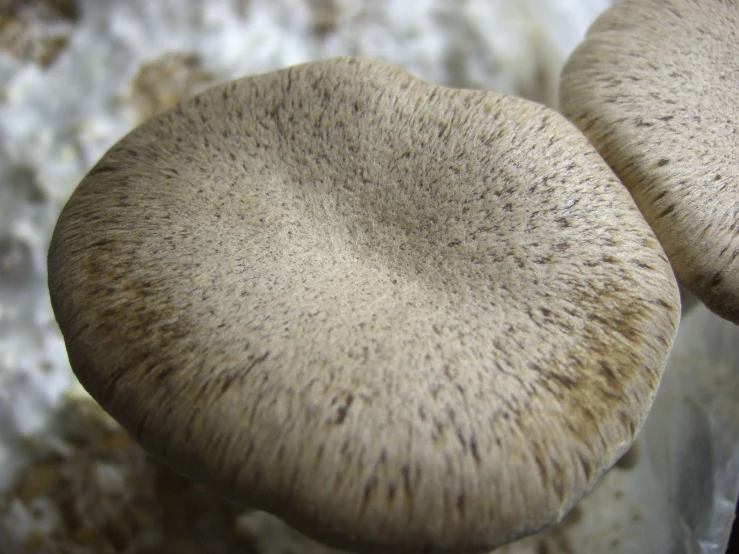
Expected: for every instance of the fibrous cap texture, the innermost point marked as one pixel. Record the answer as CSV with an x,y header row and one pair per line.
x,y
654,87
402,317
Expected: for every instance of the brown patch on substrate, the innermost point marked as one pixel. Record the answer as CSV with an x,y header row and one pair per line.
x,y
29,31
110,496
65,9
324,16
164,81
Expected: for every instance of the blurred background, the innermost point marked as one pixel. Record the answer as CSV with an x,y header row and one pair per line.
x,y
75,75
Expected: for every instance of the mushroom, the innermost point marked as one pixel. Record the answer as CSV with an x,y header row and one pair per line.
x,y
654,88
403,318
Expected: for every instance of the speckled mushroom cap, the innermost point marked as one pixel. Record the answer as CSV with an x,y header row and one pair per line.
x,y
655,86
402,317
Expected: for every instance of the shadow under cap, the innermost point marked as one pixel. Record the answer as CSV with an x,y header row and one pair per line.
x,y
654,87
404,318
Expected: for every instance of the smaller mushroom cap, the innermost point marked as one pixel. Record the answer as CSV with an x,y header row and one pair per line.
x,y
654,86
404,318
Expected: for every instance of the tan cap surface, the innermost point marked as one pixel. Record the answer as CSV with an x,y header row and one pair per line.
x,y
655,87
402,317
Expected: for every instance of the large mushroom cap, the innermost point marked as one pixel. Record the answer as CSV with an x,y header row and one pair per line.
x,y
402,317
654,86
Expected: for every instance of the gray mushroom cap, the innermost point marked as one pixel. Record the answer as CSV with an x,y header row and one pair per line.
x,y
654,87
404,318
